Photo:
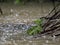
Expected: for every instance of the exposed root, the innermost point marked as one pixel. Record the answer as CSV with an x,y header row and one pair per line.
x,y
52,24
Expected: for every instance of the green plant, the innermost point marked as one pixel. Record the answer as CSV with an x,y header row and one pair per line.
x,y
38,22
18,2
35,29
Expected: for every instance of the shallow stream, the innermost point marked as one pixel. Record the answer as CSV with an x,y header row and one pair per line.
x,y
14,23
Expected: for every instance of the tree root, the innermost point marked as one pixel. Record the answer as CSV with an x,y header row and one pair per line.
x,y
51,25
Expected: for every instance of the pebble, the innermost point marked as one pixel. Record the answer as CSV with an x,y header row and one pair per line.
x,y
17,15
54,37
30,41
24,39
47,41
44,37
11,10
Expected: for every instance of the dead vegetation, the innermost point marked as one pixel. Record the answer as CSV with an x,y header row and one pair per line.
x,y
51,26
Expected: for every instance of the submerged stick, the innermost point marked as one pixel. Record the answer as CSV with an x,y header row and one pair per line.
x,y
1,11
55,22
47,32
53,9
52,23
52,17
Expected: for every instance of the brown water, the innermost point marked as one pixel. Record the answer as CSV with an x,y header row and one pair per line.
x,y
17,14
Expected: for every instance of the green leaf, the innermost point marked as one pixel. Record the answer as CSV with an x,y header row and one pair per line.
x,y
35,29
38,21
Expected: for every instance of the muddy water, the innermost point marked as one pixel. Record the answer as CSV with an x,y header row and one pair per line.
x,y
17,14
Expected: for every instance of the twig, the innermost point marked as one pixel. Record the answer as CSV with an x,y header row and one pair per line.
x,y
1,11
